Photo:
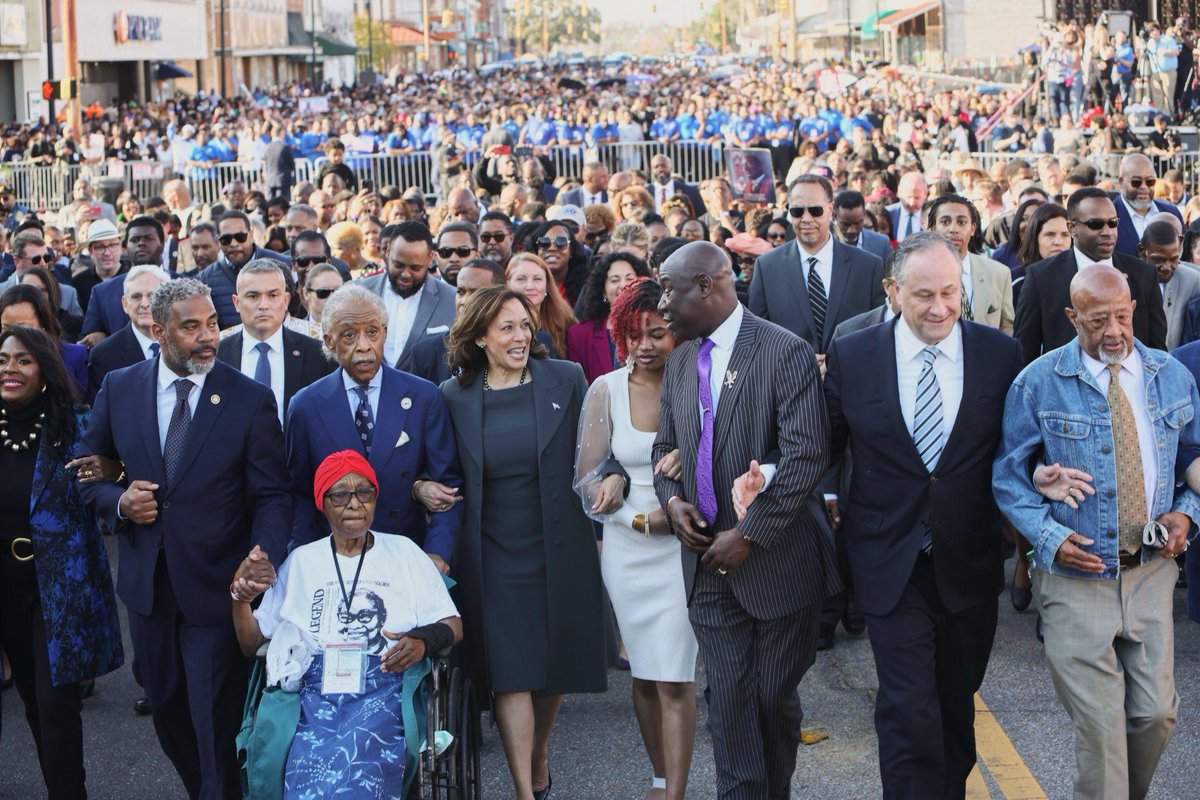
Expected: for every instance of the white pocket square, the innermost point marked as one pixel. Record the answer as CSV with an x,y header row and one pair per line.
x,y
403,440
438,329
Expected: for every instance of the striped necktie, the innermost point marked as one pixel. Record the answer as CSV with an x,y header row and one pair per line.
x,y
818,301
928,434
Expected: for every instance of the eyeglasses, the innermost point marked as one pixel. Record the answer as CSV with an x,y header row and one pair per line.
x,y
462,251
747,261
323,294
797,212
595,236
558,242
341,498
230,238
1098,224
776,237
1137,183
39,259
364,616
304,262
492,237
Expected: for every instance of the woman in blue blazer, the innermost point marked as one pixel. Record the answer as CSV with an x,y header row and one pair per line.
x,y
58,611
24,304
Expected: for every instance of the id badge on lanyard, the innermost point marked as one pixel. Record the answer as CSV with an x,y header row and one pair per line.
x,y
345,668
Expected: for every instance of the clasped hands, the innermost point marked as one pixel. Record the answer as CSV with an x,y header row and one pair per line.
x,y
253,577
726,551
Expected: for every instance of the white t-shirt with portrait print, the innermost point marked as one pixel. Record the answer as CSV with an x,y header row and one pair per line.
x,y
399,589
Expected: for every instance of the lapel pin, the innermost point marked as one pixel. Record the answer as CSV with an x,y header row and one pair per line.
x,y
406,403
557,407
296,353
730,377
215,399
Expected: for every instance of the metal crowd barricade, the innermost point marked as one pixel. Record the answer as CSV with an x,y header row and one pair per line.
x,y
383,169
205,182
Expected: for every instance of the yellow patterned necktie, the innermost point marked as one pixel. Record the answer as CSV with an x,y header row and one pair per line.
x,y
1131,483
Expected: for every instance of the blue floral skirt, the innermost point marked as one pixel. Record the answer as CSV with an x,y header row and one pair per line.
x,y
348,746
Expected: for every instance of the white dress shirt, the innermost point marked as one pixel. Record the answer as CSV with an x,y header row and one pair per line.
x,y
1140,220
824,258
1133,382
902,224
374,388
250,357
402,313
663,193
967,282
1082,260
948,366
143,341
165,398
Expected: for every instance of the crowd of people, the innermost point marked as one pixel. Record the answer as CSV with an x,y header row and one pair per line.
x,y
737,425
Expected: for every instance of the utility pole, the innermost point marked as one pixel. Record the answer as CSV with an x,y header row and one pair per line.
x,y
791,29
425,29
221,62
724,45
370,39
312,18
49,11
71,60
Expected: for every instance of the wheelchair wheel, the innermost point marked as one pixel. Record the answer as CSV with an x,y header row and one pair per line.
x,y
463,717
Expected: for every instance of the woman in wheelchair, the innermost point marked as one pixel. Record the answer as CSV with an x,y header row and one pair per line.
x,y
344,617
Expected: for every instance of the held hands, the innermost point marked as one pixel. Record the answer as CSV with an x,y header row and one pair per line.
x,y
728,551
138,504
403,654
609,495
669,466
747,487
254,576
1063,484
436,496
689,526
93,469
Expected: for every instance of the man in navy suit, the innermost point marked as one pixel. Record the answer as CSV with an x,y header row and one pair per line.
x,y
398,421
203,452
1135,202
593,190
1189,356
133,343
921,402
849,214
237,250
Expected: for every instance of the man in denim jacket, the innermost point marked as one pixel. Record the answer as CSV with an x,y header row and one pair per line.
x,y
1105,597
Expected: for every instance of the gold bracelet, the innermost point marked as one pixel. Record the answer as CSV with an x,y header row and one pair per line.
x,y
641,524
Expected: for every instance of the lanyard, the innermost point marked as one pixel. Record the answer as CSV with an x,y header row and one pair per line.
x,y
348,598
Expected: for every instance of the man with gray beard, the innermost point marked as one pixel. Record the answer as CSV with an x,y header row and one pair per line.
x,y
1135,202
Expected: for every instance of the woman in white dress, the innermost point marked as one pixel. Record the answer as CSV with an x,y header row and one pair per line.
x,y
640,560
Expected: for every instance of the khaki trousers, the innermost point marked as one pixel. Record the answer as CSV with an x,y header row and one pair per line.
x,y
1162,90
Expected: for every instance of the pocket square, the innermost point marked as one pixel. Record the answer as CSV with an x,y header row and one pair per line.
x,y
438,329
403,440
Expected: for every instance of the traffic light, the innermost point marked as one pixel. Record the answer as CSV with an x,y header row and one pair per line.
x,y
60,90
448,18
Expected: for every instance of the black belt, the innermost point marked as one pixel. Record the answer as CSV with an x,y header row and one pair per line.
x,y
1130,560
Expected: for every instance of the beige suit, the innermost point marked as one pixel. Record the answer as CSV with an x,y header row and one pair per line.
x,y
992,293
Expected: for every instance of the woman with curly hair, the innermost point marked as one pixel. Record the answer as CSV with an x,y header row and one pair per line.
x,y
588,341
640,559
528,274
633,203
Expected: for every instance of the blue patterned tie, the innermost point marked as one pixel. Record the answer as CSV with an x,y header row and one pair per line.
x,y
262,372
154,349
363,419
177,429
928,434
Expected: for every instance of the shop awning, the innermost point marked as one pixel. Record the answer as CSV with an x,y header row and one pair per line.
x,y
298,35
870,26
333,47
169,70
897,18
408,36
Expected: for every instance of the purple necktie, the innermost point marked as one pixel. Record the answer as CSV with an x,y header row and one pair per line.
x,y
706,495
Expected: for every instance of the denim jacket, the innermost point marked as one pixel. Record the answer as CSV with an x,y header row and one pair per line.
x,y
1056,413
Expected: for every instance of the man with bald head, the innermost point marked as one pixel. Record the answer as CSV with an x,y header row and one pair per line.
x,y
738,391
664,186
906,213
1135,202
1104,576
461,206
1161,247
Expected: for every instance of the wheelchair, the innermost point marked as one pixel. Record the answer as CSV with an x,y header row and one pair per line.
x,y
450,706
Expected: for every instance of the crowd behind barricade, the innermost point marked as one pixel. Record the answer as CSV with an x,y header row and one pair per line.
x,y
349,429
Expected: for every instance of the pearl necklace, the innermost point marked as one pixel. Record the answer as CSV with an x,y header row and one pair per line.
x,y
6,441
524,373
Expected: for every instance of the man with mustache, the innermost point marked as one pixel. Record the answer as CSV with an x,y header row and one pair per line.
x,y
397,420
203,452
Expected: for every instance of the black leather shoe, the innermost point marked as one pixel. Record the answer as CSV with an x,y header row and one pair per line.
x,y
544,794
141,707
853,621
825,637
1021,598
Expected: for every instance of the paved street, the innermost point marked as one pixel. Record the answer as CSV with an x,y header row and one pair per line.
x,y
596,752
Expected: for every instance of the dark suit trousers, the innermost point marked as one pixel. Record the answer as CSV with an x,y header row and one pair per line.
x,y
53,712
753,669
930,664
195,677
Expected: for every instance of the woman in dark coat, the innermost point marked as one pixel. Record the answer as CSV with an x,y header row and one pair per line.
x,y
526,563
58,611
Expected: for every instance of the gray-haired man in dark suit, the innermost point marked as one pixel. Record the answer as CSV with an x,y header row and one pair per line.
x,y
754,585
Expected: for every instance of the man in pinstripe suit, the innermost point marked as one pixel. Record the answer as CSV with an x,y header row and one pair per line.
x,y
742,390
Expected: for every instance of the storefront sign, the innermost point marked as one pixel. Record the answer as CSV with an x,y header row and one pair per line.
x,y
136,28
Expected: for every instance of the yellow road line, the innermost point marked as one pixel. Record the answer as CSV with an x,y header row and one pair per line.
x,y
977,788
1003,764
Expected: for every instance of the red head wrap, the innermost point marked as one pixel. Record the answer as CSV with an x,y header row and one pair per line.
x,y
337,466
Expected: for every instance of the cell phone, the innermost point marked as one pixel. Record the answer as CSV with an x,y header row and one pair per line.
x,y
524,151
367,185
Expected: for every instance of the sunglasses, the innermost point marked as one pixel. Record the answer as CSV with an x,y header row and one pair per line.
x,y
462,251
40,259
304,262
341,498
323,294
558,242
230,238
1137,183
777,236
1098,224
797,212
492,237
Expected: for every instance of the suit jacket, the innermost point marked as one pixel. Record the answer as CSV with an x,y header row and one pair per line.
x,y
864,320
894,215
779,293
104,311
436,310
70,298
1183,286
75,359
992,296
1042,324
893,496
574,197
279,169
115,352
231,492
774,407
1127,236
688,190
304,361
429,357
408,443
876,244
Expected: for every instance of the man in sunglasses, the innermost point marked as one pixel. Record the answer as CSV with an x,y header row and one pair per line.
x,y
1136,204
496,237
237,250
29,250
1041,323
457,244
